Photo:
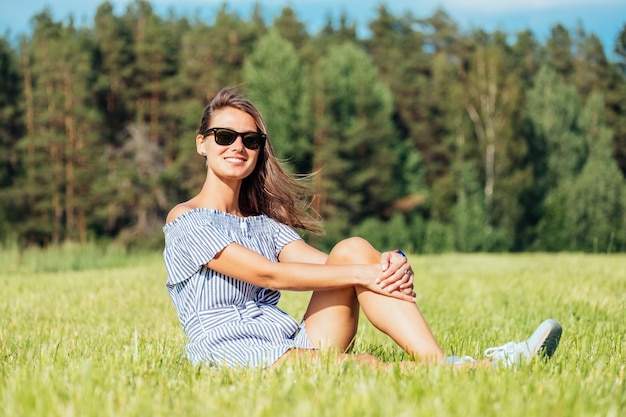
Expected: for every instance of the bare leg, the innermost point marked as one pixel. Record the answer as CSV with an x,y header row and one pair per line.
x,y
332,316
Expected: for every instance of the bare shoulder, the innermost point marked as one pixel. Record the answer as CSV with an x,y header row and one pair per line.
x,y
178,210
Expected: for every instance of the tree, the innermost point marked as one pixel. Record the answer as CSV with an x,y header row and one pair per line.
x,y
591,65
114,60
559,48
586,211
11,128
116,100
397,50
597,206
492,94
353,138
278,82
616,106
468,141
337,34
60,148
558,149
583,208
526,56
155,62
290,28
10,114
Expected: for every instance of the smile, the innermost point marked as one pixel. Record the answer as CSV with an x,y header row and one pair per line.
x,y
235,159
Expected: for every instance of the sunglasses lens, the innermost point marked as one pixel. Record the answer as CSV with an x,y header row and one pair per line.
x,y
252,140
225,137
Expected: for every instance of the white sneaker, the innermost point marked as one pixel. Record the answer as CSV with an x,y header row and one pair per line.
x,y
543,342
459,360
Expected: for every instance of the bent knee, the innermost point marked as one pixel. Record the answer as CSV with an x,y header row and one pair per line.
x,y
354,250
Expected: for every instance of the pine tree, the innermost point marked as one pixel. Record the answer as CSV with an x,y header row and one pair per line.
x,y
11,128
277,81
116,100
616,105
559,154
60,150
290,28
597,203
354,138
147,137
397,50
559,51
492,94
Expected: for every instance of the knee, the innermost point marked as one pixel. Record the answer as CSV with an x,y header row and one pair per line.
x,y
354,250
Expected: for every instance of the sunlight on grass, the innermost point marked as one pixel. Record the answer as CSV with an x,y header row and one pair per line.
x,y
105,341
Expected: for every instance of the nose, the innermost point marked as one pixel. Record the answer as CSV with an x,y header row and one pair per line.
x,y
238,143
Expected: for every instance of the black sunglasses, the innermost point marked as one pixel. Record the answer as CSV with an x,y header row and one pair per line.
x,y
225,137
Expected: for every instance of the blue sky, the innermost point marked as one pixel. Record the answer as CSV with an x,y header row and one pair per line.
x,y
604,18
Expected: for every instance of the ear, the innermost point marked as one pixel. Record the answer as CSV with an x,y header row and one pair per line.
x,y
200,143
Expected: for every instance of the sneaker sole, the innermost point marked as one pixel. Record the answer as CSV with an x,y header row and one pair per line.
x,y
546,339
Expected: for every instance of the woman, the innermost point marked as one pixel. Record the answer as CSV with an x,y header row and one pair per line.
x,y
230,250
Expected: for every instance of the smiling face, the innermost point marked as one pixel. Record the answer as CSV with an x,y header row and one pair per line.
x,y
233,162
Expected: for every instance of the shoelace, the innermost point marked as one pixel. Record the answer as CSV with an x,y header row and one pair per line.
x,y
505,350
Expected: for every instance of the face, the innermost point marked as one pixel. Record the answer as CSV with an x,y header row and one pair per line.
x,y
232,162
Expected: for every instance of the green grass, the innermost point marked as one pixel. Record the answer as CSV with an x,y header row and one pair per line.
x,y
105,341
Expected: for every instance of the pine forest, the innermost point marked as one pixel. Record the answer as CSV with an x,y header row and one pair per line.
x,y
419,135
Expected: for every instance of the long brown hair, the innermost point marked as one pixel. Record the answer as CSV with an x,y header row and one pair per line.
x,y
269,189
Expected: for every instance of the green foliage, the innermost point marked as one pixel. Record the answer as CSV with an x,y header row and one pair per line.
x,y
553,108
481,143
354,145
107,341
585,208
469,214
11,128
68,257
10,112
276,80
438,238
596,203
388,235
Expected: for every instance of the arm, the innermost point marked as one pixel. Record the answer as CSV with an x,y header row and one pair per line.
x,y
300,251
308,273
392,262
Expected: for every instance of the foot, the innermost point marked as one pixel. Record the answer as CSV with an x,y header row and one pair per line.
x,y
543,343
459,360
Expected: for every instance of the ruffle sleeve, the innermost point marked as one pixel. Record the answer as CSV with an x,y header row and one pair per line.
x,y
191,241
284,235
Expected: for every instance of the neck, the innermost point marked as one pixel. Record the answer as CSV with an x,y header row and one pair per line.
x,y
219,195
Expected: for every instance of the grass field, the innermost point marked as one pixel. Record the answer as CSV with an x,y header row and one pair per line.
x,y
89,332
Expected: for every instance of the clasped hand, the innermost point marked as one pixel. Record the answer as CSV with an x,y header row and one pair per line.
x,y
397,277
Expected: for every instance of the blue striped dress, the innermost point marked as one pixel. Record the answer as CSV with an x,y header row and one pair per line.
x,y
228,321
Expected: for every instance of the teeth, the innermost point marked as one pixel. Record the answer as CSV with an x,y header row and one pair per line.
x,y
235,160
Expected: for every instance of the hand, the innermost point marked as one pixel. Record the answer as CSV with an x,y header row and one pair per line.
x,y
372,282
397,274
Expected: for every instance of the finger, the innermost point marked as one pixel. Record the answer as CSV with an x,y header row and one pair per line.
x,y
408,291
399,252
398,258
401,296
409,283
385,260
399,278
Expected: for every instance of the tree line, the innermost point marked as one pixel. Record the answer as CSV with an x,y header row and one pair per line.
x,y
420,135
